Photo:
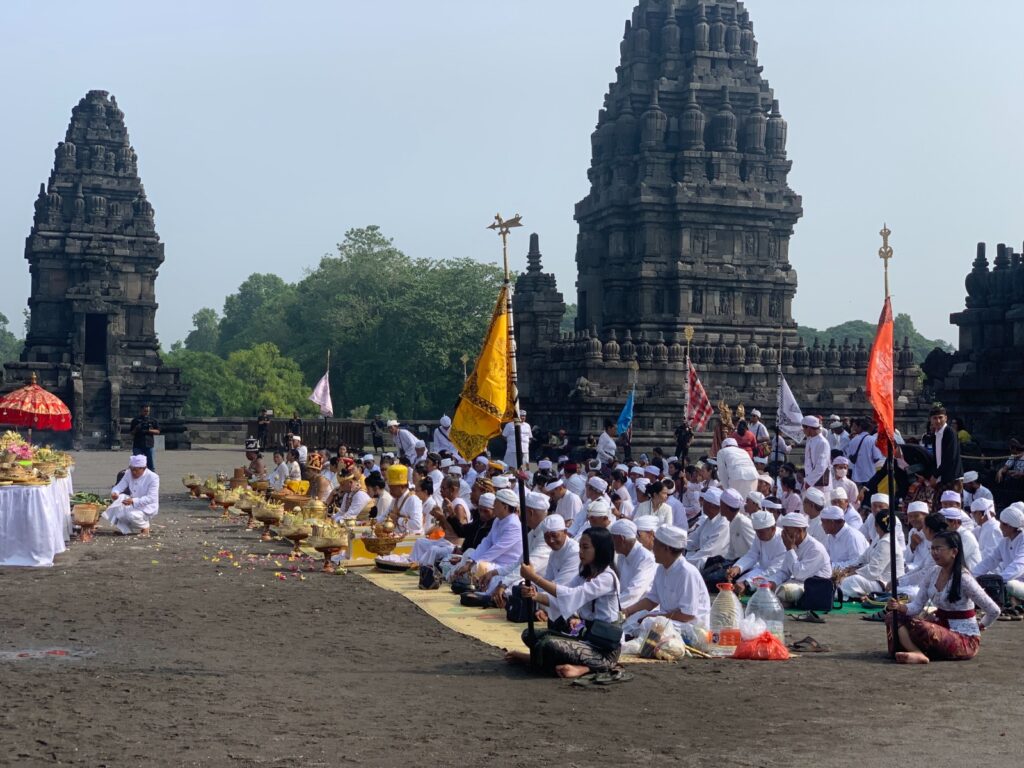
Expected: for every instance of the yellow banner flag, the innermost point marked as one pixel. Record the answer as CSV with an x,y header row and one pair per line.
x,y
486,401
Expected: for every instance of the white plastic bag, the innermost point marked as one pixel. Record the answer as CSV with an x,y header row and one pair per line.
x,y
751,627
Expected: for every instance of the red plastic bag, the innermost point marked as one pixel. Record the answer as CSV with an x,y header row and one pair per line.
x,y
764,647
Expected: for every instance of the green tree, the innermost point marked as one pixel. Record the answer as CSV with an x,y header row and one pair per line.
x,y
568,319
213,390
205,331
10,345
255,314
397,325
267,379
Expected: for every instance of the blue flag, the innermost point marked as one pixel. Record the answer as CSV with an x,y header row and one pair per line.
x,y
626,417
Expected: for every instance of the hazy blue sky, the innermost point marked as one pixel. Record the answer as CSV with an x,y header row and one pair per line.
x,y
266,130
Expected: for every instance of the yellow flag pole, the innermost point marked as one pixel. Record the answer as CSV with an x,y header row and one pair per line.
x,y
503,228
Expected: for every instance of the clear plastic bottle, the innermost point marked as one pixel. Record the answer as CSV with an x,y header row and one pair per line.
x,y
726,612
766,606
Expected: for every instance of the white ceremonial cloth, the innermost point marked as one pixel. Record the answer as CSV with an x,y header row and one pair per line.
x,y
31,526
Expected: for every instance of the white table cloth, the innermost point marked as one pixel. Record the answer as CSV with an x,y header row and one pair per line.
x,y
32,525
62,492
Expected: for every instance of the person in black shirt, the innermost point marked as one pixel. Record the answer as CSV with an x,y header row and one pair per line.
x,y
295,425
262,428
143,428
683,437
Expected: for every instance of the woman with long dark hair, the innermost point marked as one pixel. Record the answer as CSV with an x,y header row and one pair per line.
x,y
955,633
592,595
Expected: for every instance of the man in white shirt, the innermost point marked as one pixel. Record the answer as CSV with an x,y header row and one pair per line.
x,y
302,450
442,440
813,504
606,446
645,528
595,491
741,531
564,560
574,481
503,546
987,529
918,553
874,573
525,435
736,468
839,499
758,428
954,522
711,539
504,577
406,510
817,455
678,592
567,504
838,437
805,557
405,441
135,499
1008,558
845,544
764,556
635,564
973,489
840,470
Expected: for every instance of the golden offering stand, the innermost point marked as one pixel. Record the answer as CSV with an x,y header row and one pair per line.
x,y
384,539
329,540
268,514
295,529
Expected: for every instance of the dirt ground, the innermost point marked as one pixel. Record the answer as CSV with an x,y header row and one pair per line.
x,y
192,660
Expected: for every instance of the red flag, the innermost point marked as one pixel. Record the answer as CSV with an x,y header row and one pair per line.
x,y
880,382
699,408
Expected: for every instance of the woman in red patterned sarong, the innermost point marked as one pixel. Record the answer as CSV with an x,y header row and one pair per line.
x,y
954,634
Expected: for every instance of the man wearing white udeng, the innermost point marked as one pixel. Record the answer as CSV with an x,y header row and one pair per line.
x,y
136,499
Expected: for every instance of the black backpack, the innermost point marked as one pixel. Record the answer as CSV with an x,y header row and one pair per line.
x,y
517,607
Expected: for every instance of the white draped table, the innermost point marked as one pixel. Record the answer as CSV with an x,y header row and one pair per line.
x,y
34,523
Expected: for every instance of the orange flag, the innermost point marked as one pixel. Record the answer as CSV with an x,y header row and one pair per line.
x,y
880,381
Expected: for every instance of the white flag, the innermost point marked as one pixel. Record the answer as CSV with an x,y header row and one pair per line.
x,y
322,396
790,416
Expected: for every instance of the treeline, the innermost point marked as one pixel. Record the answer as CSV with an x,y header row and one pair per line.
x,y
396,326
858,330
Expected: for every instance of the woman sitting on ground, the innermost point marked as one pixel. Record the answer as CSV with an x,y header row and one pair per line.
x,y
591,595
954,634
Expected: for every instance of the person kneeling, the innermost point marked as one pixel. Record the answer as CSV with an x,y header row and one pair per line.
x,y
592,596
136,499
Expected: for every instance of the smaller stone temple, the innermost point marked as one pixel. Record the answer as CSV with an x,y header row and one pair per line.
x,y
93,253
981,382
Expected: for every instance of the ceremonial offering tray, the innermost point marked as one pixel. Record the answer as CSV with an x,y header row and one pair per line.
x,y
328,540
268,514
392,566
86,516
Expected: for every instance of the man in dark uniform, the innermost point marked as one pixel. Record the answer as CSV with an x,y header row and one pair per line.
x,y
143,428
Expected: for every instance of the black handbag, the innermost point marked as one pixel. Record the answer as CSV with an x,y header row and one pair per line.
x,y
462,584
517,607
605,636
995,587
430,577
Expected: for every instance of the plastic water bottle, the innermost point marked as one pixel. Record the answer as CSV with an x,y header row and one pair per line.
x,y
726,612
766,606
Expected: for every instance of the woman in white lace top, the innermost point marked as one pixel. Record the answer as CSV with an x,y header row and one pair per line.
x,y
954,633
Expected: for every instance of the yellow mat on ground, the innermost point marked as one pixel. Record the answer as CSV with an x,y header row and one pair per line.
x,y
487,625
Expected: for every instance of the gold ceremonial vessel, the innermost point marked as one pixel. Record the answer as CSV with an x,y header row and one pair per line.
x,y
295,529
384,539
328,539
225,499
268,514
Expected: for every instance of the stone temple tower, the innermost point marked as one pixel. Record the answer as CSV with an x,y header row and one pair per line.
x,y
687,223
93,254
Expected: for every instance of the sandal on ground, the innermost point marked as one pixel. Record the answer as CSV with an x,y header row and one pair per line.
x,y
810,617
808,645
876,616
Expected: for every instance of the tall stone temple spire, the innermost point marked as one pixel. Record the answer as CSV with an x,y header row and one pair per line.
x,y
689,213
93,254
687,223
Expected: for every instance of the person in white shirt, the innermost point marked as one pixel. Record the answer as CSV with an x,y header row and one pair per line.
x,y
764,556
653,501
1008,558
442,439
973,489
595,491
635,564
406,510
741,531
564,561
954,522
862,453
678,592
301,450
351,499
805,557
757,427
838,437
987,529
135,499
711,539
504,578
621,499
606,446
875,572
574,481
817,455
845,544
525,435
839,499
813,504
405,441
279,475
645,528
879,502
918,551
736,468
840,470
567,504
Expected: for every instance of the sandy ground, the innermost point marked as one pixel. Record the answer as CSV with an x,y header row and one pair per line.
x,y
192,662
